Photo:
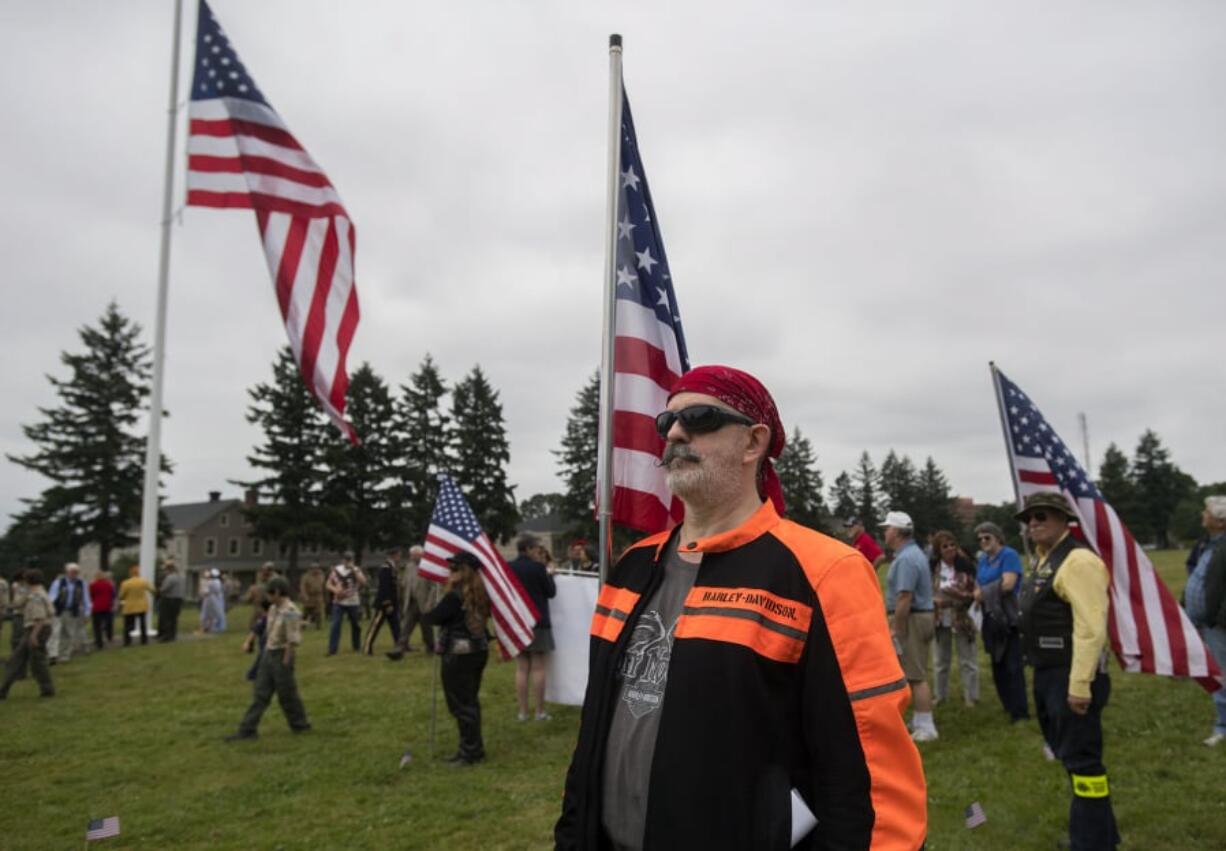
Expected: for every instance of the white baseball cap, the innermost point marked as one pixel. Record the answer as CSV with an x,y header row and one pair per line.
x,y
897,519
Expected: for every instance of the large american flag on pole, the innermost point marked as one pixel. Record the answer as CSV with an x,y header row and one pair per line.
x,y
649,349
454,527
1149,631
241,154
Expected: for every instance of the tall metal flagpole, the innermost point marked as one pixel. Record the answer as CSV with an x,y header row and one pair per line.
x,y
604,458
153,445
1004,430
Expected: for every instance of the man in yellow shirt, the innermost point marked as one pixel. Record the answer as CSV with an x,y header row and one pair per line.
x,y
134,601
1064,633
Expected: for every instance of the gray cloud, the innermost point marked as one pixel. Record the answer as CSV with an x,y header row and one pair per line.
x,y
863,208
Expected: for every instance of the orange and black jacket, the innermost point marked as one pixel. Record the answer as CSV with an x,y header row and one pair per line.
x,y
782,675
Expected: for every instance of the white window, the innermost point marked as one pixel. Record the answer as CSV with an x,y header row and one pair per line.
x,y
257,547
234,546
224,520
210,547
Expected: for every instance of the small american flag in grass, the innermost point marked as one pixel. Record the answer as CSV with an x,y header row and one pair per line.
x,y
101,828
975,815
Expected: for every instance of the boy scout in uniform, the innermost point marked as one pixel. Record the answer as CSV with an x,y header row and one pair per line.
x,y
276,671
19,593
37,615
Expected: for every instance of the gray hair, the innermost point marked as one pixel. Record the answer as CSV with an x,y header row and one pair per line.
x,y
990,528
1216,506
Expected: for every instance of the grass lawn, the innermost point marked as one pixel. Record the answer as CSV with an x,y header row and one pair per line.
x,y
137,733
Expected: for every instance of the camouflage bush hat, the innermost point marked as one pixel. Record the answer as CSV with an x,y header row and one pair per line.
x,y
1046,499
278,585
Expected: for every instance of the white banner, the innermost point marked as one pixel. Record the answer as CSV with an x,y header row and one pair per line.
x,y
570,613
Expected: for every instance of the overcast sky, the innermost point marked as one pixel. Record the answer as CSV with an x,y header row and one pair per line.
x,y
862,208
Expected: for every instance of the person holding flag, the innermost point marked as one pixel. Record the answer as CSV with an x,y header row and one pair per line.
x,y
460,616
1064,634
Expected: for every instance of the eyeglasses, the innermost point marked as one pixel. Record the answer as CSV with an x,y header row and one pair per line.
x,y
986,537
699,419
1040,516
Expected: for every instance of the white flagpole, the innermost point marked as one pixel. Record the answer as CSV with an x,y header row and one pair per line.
x,y
153,445
604,458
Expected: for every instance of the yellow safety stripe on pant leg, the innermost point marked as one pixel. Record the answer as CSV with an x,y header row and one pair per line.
x,y
1090,787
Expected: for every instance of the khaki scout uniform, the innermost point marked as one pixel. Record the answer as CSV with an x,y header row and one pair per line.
x,y
273,675
311,589
38,614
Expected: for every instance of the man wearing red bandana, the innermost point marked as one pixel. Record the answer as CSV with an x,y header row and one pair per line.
x,y
742,681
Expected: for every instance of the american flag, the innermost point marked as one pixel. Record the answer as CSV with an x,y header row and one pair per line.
x,y
101,828
975,815
649,350
1149,631
453,528
241,154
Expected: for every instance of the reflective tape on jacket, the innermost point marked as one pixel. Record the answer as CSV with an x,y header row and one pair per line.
x,y
613,606
771,626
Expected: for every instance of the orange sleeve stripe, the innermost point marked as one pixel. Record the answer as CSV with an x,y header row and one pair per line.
x,y
851,605
606,626
780,610
750,632
617,599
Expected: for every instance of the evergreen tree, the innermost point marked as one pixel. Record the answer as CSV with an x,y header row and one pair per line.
x,y
577,460
843,497
481,454
899,483
933,505
1117,487
88,446
1160,486
289,510
541,505
426,434
802,482
864,490
36,539
357,484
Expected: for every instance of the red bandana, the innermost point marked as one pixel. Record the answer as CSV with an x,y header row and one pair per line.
x,y
746,395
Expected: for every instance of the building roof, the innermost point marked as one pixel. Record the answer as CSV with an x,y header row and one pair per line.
x,y
553,522
189,515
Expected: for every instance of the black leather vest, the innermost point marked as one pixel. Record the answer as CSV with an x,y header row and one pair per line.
x,y
1047,621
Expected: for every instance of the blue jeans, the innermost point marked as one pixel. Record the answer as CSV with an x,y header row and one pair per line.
x,y
1215,640
334,634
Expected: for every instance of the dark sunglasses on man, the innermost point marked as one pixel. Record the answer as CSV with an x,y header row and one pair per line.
x,y
1040,516
699,419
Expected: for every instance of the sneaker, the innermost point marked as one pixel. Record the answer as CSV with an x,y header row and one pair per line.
x,y
395,655
925,735
521,716
1215,740
240,736
543,716
1048,753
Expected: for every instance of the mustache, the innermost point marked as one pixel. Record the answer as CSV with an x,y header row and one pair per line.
x,y
673,451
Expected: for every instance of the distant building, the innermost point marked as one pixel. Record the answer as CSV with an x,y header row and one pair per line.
x,y
964,510
215,534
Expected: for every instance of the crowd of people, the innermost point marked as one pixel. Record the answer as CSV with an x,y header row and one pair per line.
x,y
780,649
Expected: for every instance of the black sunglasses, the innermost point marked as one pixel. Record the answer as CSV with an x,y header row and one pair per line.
x,y
1041,516
699,419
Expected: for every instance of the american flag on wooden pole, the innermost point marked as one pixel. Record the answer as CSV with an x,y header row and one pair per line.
x,y
644,351
1149,631
241,154
454,527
